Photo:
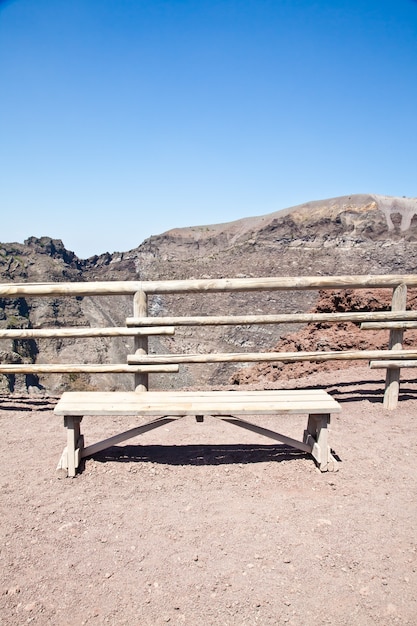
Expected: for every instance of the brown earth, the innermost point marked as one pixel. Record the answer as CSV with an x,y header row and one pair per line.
x,y
206,524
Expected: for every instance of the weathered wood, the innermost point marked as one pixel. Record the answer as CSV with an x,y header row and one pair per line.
x,y
128,434
279,283
98,288
294,443
388,325
140,309
318,435
392,381
211,407
171,403
226,405
37,333
207,285
80,368
388,364
72,424
248,357
283,318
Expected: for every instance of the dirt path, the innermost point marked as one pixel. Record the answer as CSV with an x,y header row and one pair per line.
x,y
206,524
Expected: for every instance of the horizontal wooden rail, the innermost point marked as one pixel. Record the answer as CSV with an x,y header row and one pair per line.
x,y
79,368
283,318
292,283
388,325
392,364
85,331
248,357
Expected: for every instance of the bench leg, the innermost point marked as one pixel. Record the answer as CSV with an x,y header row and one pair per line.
x,y
317,435
71,455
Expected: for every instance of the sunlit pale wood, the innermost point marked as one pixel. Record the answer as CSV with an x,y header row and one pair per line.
x,y
392,380
128,434
395,364
388,325
283,318
207,285
113,331
266,432
181,403
228,406
248,357
140,309
80,368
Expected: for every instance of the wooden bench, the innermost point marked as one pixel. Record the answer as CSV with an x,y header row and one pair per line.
x,y
168,406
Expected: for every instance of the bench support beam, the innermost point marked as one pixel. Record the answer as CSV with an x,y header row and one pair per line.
x,y
128,434
271,434
315,440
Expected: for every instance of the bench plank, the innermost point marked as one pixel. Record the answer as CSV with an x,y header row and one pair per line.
x,y
195,403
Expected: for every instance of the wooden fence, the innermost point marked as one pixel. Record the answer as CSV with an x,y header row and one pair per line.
x,y
142,325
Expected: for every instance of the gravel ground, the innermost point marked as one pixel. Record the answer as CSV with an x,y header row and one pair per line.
x,y
208,524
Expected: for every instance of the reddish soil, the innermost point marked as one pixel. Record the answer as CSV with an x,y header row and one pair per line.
x,y
207,524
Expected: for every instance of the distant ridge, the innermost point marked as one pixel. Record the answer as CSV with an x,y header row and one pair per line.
x,y
308,211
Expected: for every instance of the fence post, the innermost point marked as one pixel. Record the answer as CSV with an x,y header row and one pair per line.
x,y
140,309
392,380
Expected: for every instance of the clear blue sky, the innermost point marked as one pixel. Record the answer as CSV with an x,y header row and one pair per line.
x,y
120,119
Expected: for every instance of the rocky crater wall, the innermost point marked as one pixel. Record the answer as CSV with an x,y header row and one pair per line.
x,y
358,234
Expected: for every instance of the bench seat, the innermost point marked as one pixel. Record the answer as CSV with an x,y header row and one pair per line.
x,y
168,406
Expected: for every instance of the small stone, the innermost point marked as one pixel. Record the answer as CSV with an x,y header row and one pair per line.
x,y
323,522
